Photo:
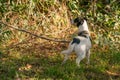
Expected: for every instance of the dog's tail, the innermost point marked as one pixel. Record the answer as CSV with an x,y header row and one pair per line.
x,y
70,49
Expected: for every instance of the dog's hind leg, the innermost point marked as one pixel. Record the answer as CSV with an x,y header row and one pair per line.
x,y
88,57
79,58
65,58
67,52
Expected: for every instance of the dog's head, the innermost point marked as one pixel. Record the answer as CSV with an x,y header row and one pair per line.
x,y
78,21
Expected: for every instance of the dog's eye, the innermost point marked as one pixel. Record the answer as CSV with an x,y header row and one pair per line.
x,y
80,23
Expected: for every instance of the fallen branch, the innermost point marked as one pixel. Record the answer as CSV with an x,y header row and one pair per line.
x,y
112,73
42,37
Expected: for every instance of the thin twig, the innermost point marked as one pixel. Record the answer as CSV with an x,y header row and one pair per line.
x,y
42,37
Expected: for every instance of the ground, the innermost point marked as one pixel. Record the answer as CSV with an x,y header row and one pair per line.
x,y
30,63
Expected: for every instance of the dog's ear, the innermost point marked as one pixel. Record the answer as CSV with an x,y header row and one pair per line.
x,y
76,20
79,23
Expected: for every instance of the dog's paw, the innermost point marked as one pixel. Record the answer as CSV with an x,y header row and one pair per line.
x,y
78,66
63,52
87,63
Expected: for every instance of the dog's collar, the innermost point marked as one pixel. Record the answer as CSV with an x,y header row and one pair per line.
x,y
84,34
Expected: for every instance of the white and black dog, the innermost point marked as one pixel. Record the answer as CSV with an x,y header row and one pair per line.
x,y
81,44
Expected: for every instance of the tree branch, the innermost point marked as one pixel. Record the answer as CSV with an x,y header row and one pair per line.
x,y
42,37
